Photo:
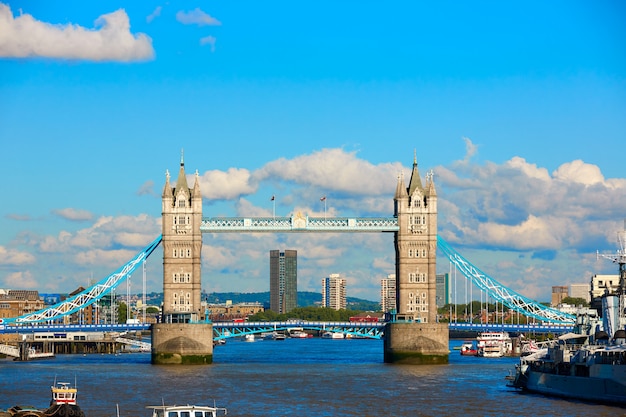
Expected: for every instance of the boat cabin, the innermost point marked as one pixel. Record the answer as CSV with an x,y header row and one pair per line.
x,y
62,393
186,411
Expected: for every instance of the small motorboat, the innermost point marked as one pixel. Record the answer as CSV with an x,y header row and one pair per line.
x,y
469,349
62,404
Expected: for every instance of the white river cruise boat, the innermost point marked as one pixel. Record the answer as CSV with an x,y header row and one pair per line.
x,y
494,344
186,411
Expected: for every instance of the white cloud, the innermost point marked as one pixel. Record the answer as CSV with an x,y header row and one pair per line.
x,y
73,214
333,169
24,36
22,280
156,13
197,17
579,172
15,257
220,185
208,40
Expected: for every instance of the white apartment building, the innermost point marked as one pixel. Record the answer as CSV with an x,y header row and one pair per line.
x,y
602,283
388,293
334,292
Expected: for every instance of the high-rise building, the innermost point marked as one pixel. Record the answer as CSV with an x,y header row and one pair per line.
x,y
334,292
283,280
558,294
580,291
388,293
442,290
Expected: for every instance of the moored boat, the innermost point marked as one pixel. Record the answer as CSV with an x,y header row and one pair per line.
x,y
494,344
333,335
187,411
62,404
468,348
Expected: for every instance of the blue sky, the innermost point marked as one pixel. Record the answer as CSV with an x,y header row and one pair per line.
x,y
519,108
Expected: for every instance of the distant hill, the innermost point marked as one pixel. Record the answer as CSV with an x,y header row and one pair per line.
x,y
305,299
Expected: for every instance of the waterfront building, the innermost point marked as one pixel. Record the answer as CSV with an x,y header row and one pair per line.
x,y
334,292
229,312
15,303
580,291
559,292
443,290
283,280
86,315
388,293
602,283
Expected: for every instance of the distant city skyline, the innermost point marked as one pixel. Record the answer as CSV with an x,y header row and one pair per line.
x,y
518,110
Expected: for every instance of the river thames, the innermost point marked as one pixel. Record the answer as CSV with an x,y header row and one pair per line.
x,y
294,377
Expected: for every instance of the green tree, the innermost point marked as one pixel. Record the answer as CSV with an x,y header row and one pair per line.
x,y
576,301
122,310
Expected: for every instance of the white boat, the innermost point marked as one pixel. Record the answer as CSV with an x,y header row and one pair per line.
x,y
298,334
332,335
275,336
494,344
186,411
588,364
249,338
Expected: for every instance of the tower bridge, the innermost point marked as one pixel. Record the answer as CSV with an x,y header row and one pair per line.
x,y
414,336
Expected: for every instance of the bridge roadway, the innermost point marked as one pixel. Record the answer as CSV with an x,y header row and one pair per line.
x,y
225,330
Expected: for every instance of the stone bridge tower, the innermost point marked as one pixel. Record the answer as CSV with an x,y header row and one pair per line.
x,y
415,337
182,337
182,246
416,248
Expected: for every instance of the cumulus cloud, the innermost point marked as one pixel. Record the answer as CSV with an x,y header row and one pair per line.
x,y
197,17
23,280
579,172
232,184
333,169
106,233
73,214
520,206
111,40
15,257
